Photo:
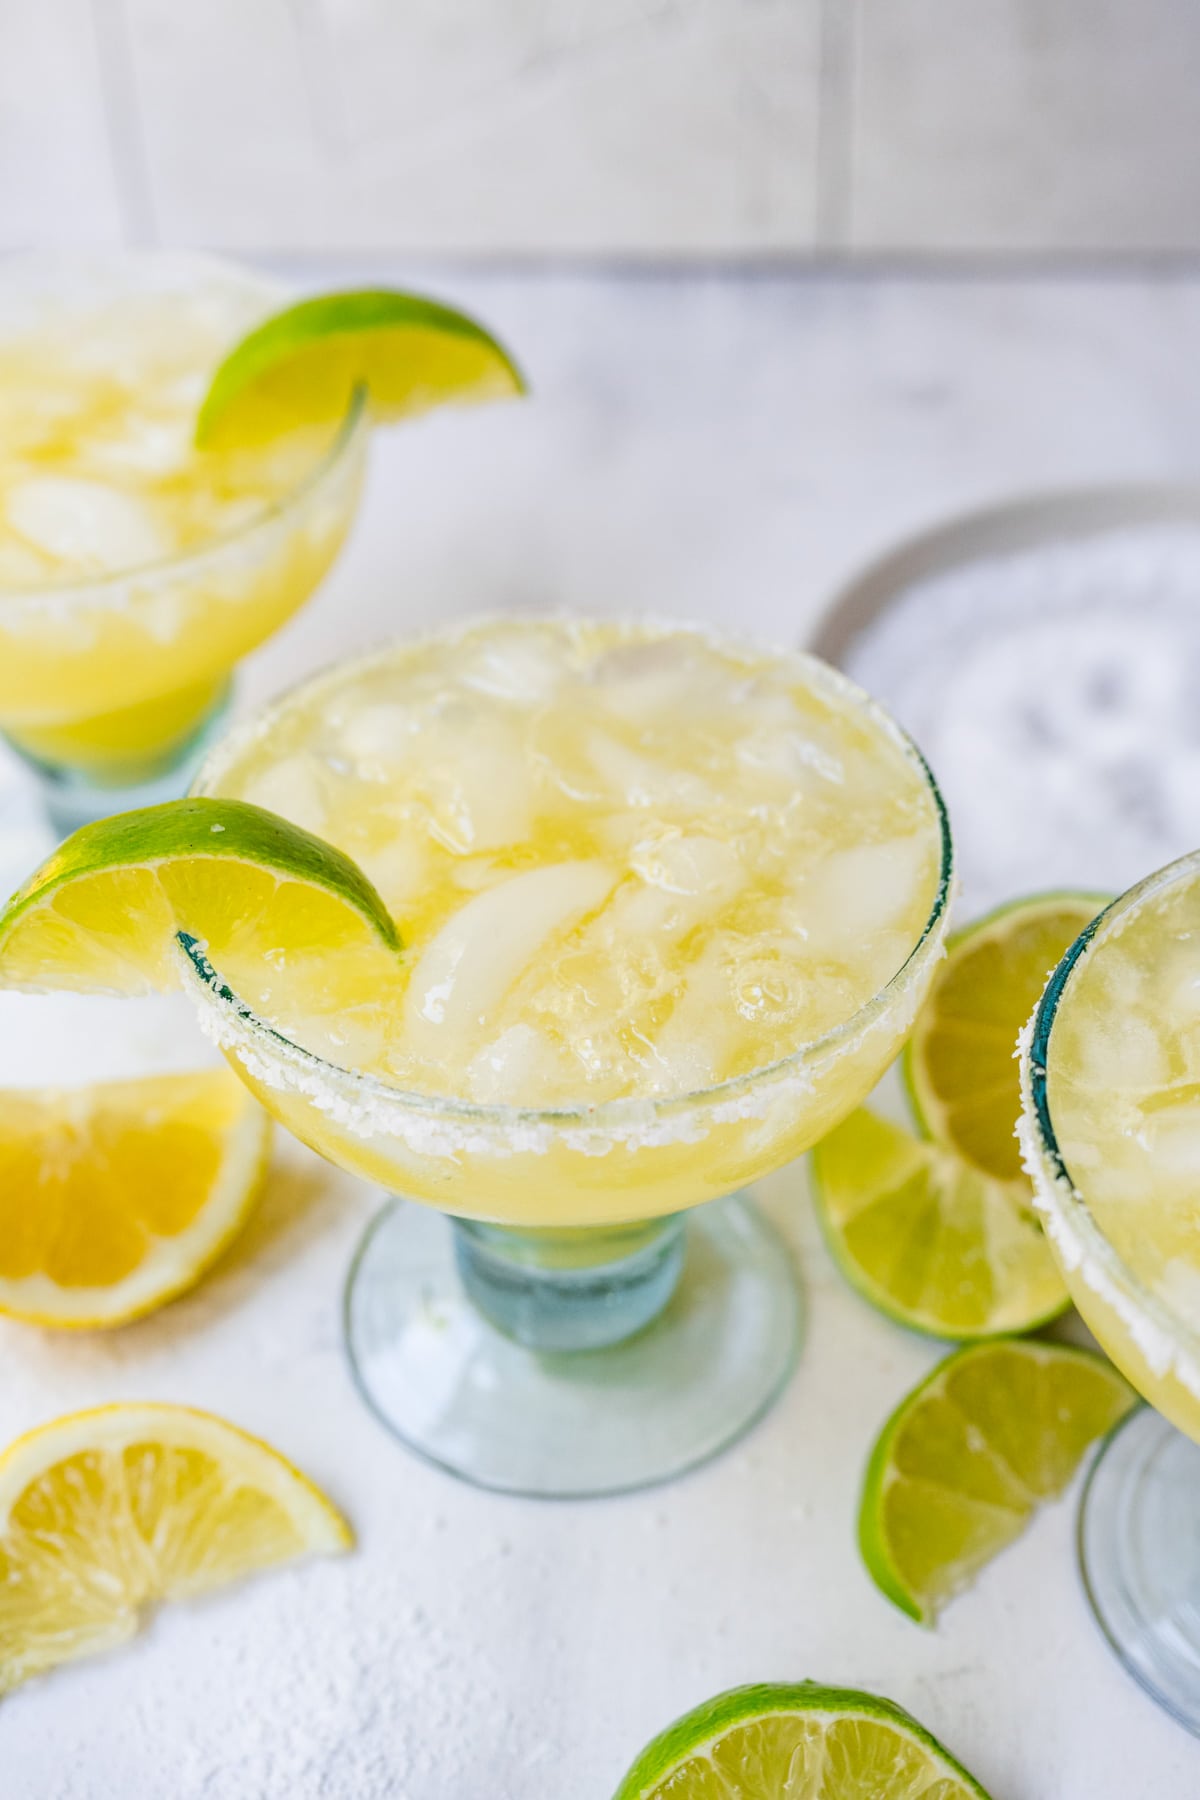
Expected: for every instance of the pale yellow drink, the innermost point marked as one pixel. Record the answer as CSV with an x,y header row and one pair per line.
x,y
1114,1146
135,570
670,905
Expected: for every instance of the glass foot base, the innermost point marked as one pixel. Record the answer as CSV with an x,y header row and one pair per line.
x,y
584,1422
1139,1546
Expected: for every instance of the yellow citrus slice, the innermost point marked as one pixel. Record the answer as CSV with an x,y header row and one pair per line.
x,y
118,1196
960,1062
302,366
105,1513
964,1462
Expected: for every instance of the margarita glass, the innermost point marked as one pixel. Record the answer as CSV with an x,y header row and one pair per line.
x,y
671,905
1110,1129
135,570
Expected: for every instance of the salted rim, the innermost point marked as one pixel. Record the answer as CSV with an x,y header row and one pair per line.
x,y
1168,1343
182,562
230,1020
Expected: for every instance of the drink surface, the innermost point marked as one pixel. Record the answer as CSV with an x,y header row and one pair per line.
x,y
626,860
98,404
1123,1092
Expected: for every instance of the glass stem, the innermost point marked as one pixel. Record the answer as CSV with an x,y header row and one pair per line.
x,y
570,1290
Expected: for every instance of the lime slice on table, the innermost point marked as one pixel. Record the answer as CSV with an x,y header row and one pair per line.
x,y
969,1456
102,914
762,1743
930,1240
959,1064
302,366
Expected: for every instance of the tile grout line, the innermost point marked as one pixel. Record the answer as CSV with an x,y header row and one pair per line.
x,y
835,123
123,122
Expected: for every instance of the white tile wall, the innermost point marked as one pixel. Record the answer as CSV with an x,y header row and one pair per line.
x,y
57,174
1026,125
602,127
574,125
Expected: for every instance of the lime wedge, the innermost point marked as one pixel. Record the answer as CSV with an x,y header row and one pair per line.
x,y
931,1241
959,1064
822,1743
102,914
302,366
965,1461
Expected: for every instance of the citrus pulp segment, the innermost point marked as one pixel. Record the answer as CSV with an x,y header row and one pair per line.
x,y
103,912
104,1513
929,1239
966,1459
303,366
822,1743
118,1196
960,1063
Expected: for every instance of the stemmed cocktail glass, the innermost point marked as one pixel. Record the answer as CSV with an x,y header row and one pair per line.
x,y
602,1314
1110,1072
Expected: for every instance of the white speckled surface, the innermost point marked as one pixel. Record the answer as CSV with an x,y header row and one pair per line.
x,y
728,448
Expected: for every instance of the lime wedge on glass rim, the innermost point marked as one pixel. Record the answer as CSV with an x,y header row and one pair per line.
x,y
824,1743
967,1458
930,1240
103,913
959,1065
302,366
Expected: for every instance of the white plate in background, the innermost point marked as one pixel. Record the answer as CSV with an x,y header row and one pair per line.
x,y
1045,655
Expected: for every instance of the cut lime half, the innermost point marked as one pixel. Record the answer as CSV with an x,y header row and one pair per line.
x,y
819,1743
303,366
102,914
960,1062
968,1457
930,1240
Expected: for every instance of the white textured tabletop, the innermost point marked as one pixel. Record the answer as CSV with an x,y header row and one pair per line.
x,y
728,448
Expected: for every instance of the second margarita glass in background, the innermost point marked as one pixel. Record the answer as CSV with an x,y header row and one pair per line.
x,y
135,570
671,905
1110,1074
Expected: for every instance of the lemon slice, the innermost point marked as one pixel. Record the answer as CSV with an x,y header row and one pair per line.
x,y
931,1241
303,366
822,1743
103,913
959,1064
116,1197
104,1513
965,1461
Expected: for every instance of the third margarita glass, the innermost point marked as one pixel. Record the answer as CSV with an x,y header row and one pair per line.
x,y
1111,1132
670,906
